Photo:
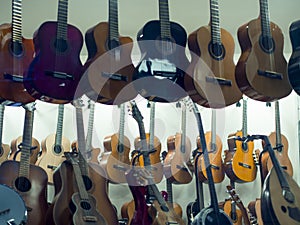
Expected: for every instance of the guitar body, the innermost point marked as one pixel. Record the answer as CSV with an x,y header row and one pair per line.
x,y
205,65
115,163
207,216
14,64
55,71
157,171
294,61
254,58
86,211
228,210
243,163
54,155
276,209
169,217
215,161
4,152
33,195
102,61
173,59
16,151
175,167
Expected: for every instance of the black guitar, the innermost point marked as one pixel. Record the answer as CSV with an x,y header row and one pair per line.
x,y
159,75
294,62
210,215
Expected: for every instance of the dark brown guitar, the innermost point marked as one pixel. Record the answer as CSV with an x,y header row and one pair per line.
x,y
211,80
16,53
261,71
28,180
109,67
4,148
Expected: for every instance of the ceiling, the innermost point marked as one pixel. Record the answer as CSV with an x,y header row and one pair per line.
x,y
133,14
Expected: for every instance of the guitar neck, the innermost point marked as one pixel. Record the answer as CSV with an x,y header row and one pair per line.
x,y
89,135
265,18
165,30
244,127
277,125
17,21
121,128
113,20
213,129
152,125
169,190
183,130
62,20
215,22
2,107
59,127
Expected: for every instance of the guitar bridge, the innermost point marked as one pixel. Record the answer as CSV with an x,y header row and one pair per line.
x,y
270,74
118,167
167,74
115,76
245,165
218,80
14,78
89,218
59,75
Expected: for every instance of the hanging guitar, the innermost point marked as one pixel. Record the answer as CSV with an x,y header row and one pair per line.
x,y
162,44
4,148
179,150
28,180
211,214
261,71
54,146
211,81
56,69
294,61
165,212
280,199
109,67
16,53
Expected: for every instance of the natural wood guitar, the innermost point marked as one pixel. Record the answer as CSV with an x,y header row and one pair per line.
x,y
261,71
4,148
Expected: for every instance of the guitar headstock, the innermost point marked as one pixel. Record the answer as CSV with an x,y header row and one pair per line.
x,y
30,106
72,157
233,194
78,103
136,113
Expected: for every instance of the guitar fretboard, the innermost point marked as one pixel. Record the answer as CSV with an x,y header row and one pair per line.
x,y
277,123
2,107
165,30
215,22
17,21
265,18
59,128
113,20
62,19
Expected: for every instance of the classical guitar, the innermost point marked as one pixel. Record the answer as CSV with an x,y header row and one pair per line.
x,y
13,209
179,150
261,71
83,204
280,146
240,166
4,148
28,180
115,158
294,61
165,212
16,53
56,69
54,146
109,67
162,44
254,208
241,216
211,78
155,146
211,214
215,150
280,199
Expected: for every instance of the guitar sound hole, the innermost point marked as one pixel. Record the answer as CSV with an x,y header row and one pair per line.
x,y
85,205
283,209
61,45
22,184
87,182
113,44
16,49
267,44
216,50
57,149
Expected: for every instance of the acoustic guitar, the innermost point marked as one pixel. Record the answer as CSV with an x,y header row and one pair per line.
x,y
254,208
294,61
162,44
211,214
54,146
16,53
13,209
155,146
261,71
280,145
179,150
4,148
215,150
29,180
115,158
240,166
211,76
280,199
56,69
109,66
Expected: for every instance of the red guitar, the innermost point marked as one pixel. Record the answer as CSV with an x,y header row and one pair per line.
x,y
16,53
55,71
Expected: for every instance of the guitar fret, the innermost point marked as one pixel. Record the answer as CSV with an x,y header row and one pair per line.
x,y
265,18
17,21
152,124
183,130
244,126
1,122
277,124
165,30
62,18
121,125
113,20
59,128
214,22
89,135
